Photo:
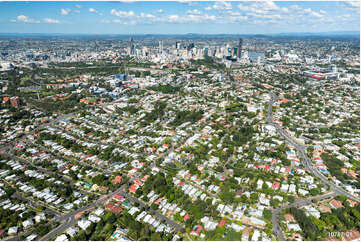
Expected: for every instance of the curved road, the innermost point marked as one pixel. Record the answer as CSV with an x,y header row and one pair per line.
x,y
302,152
277,230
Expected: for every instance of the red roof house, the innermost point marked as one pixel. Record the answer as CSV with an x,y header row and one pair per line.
x,y
118,197
275,185
117,179
222,223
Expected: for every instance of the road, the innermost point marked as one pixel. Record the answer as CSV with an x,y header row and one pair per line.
x,y
69,218
35,204
11,144
160,216
300,202
28,163
306,161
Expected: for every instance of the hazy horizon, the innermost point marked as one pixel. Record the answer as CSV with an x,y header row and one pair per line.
x,y
184,17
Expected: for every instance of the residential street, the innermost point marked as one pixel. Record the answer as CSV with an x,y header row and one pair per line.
x,y
300,202
302,152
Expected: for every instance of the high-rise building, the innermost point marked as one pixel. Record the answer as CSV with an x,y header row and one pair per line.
x,y
235,52
190,46
239,51
229,51
132,47
205,53
177,45
161,47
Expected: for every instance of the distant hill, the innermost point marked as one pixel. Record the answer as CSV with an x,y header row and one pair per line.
x,y
193,35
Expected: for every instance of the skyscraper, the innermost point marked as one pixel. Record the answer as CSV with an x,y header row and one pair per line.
x,y
239,50
205,53
190,46
235,52
161,47
132,47
177,45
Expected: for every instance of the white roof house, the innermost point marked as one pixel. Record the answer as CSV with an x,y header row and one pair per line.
x,y
28,223
13,230
38,218
255,235
292,189
72,231
62,237
99,212
284,187
31,237
84,224
259,184
94,218
295,227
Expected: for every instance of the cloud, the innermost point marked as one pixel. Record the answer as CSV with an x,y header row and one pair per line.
x,y
261,7
222,6
195,11
92,10
285,10
313,14
317,15
65,11
146,15
25,19
188,2
248,13
189,18
199,18
122,14
78,6
117,21
51,21
159,11
295,7
233,13
351,5
173,18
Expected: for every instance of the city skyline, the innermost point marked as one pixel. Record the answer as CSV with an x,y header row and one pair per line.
x,y
221,17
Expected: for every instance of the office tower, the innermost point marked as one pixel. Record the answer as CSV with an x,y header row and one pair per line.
x,y
229,51
235,51
205,53
240,44
177,45
190,46
132,47
160,47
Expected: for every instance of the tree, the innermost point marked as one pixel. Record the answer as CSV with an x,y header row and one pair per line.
x,y
99,179
111,219
155,237
267,214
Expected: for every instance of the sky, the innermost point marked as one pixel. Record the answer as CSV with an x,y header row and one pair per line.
x,y
179,17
